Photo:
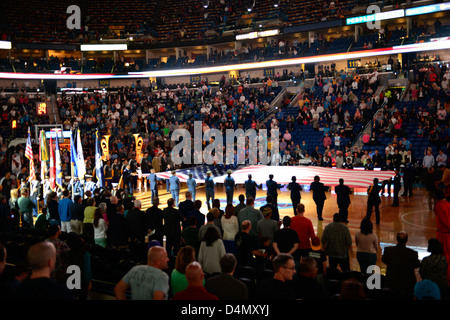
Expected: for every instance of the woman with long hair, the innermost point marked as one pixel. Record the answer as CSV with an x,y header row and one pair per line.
x,y
211,251
230,227
367,245
100,228
178,280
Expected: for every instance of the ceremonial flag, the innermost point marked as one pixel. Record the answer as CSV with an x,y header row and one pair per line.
x,y
80,158
29,155
43,153
98,162
43,147
73,158
52,174
58,169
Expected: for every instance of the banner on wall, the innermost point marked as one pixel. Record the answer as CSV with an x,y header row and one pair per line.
x,y
104,83
269,72
196,79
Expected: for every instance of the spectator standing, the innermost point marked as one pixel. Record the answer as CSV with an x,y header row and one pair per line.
x,y
401,263
224,285
211,251
337,241
305,230
367,245
147,282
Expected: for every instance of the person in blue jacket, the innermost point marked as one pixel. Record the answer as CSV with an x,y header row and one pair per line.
x,y
153,179
209,189
192,186
173,185
230,185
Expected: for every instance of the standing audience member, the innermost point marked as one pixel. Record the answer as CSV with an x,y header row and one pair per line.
x,y
178,280
305,230
337,241
434,267
147,282
41,258
62,254
195,289
118,228
136,223
77,215
442,214
172,228
100,229
367,245
230,227
251,214
285,240
401,263
26,206
211,251
154,221
225,286
267,227
64,211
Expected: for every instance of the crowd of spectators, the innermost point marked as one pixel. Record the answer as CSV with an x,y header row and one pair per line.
x,y
246,255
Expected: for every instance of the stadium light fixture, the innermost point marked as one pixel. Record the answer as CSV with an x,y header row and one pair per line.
x,y
5,45
104,47
205,3
277,3
443,44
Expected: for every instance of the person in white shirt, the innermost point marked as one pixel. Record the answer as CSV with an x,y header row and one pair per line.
x,y
441,159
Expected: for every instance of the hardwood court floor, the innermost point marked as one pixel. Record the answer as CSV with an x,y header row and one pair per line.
x,y
412,215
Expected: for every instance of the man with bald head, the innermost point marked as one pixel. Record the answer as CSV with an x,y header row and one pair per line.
x,y
42,259
147,282
195,289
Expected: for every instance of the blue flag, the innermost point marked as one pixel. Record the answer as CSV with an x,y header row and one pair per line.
x,y
73,157
98,162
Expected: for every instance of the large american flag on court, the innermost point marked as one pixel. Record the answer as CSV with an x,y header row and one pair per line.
x,y
354,178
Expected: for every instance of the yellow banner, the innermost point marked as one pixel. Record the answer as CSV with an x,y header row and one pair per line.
x,y
139,145
104,145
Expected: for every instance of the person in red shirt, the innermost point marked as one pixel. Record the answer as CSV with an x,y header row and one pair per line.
x,y
442,213
195,289
305,231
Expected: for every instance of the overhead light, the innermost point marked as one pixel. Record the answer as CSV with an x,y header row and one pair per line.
x,y
205,3
103,47
5,45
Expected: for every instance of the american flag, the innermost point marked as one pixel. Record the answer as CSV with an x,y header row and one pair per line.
x,y
29,155
29,148
354,178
